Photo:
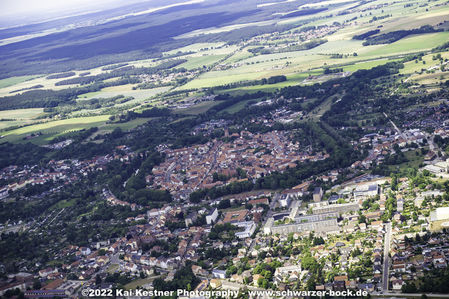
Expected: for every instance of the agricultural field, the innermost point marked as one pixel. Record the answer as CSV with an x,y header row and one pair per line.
x,y
44,132
219,62
201,61
196,109
19,117
139,95
14,80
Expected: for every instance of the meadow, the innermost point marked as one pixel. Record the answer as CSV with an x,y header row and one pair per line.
x,y
52,129
19,117
14,81
223,63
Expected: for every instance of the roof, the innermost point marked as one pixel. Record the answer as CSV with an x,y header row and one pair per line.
x,y
317,190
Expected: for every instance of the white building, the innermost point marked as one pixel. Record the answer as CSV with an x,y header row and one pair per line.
x,y
248,229
439,214
212,217
365,191
284,200
219,273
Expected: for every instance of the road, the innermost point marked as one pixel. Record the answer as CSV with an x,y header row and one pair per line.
x,y
432,146
212,165
394,125
386,257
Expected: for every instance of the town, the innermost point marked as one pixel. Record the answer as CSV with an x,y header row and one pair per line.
x,y
365,232
229,148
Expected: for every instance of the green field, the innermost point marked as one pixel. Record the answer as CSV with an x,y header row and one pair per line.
x,y
195,47
15,80
410,44
30,113
52,129
200,61
19,117
365,65
413,161
197,109
139,282
64,204
128,125
237,107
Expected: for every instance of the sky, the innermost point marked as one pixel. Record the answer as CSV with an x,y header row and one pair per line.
x,y
21,12
41,7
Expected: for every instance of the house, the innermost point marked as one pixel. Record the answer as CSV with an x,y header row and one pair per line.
x,y
284,200
190,219
12,286
256,277
341,278
377,225
212,216
85,250
53,285
3,193
283,271
46,272
369,287
397,284
215,283
196,269
317,194
219,273
114,248
256,202
362,226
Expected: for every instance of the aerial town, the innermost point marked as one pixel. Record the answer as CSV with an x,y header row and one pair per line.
x,y
361,232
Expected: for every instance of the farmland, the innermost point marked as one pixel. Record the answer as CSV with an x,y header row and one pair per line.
x,y
19,117
235,66
44,132
165,146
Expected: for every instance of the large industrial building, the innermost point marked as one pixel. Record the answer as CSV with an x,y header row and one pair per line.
x,y
440,214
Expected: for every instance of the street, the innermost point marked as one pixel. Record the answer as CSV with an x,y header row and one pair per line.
x,y
386,257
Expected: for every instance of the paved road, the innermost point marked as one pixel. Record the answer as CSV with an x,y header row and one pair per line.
x,y
432,146
394,125
386,258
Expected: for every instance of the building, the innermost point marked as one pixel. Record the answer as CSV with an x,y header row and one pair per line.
x,y
366,190
284,200
283,271
439,214
248,229
438,168
190,219
212,217
219,273
3,193
338,208
400,205
317,194
235,216
318,223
